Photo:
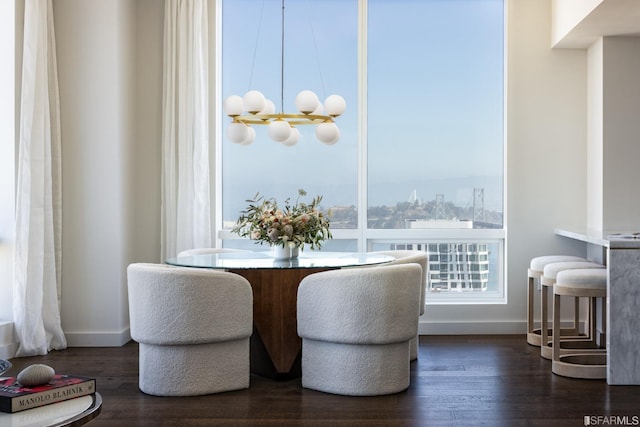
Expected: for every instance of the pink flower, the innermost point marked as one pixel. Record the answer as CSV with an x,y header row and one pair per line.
x,y
273,234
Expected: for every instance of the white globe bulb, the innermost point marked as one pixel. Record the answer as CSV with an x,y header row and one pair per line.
x,y
233,106
327,133
251,136
319,110
335,105
237,132
253,101
293,139
269,108
279,130
334,140
307,101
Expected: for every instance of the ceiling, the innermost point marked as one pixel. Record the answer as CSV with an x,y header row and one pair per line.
x,y
609,18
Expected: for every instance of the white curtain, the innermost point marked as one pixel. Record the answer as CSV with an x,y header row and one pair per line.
x,y
186,216
36,287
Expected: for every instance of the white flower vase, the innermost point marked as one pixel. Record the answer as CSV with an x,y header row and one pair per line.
x,y
285,253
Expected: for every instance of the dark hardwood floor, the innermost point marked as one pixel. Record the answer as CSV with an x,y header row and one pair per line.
x,y
457,381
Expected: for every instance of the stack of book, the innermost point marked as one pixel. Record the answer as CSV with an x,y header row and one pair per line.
x,y
14,397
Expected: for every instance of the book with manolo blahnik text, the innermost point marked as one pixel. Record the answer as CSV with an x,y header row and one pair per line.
x,y
15,397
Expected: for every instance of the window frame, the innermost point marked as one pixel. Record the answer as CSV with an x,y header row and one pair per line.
x,y
364,236
9,106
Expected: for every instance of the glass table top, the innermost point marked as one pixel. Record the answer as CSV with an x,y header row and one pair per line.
x,y
245,260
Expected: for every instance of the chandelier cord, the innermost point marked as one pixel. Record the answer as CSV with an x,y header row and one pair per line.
x,y
315,47
255,49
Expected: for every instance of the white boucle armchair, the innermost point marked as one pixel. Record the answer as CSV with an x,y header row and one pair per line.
x,y
193,328
421,258
356,326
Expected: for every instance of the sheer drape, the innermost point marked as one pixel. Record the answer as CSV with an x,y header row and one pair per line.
x,y
186,217
36,287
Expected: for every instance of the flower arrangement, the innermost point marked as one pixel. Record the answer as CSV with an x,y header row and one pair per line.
x,y
292,225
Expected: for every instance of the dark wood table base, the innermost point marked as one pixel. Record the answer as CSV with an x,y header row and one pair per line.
x,y
276,347
262,364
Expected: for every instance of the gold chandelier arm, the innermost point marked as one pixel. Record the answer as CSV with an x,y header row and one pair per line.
x,y
292,119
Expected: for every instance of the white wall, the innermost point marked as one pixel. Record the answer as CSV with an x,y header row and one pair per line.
x,y
594,138
110,71
95,45
614,102
567,14
621,128
147,146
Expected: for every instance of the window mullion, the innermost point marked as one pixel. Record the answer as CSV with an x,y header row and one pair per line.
x,y
216,118
362,125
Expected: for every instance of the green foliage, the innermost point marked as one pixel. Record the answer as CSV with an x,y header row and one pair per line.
x,y
292,225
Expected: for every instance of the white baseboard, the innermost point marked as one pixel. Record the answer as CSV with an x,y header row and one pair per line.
x,y
478,328
98,339
8,342
8,347
8,351
472,328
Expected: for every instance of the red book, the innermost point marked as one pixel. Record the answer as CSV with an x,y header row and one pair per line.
x,y
15,397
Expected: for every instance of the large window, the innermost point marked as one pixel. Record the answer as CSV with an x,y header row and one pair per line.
x,y
7,152
321,54
420,160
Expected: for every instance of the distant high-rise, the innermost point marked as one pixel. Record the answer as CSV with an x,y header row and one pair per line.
x,y
453,267
460,267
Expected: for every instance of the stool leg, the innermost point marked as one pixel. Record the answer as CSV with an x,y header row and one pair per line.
x,y
530,305
593,321
544,317
556,327
576,316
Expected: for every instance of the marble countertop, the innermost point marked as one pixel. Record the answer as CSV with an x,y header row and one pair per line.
x,y
618,239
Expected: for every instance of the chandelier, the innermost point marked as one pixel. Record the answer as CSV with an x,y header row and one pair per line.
x,y
254,109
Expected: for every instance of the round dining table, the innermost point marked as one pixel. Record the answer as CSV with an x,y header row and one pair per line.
x,y
276,348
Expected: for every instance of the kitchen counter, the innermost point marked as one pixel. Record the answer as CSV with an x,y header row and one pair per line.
x,y
606,239
623,297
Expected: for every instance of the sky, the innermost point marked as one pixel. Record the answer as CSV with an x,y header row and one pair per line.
x,y
434,90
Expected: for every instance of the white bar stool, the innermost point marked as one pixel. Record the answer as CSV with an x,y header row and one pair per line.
x,y
534,273
590,283
568,335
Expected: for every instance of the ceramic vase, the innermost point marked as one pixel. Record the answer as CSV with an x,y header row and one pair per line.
x,y
285,253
